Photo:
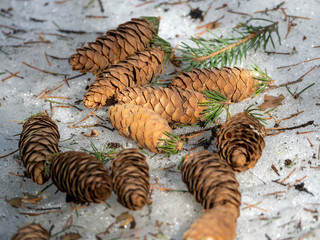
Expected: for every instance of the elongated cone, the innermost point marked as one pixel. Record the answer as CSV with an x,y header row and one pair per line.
x,y
137,70
240,141
176,105
236,84
82,176
129,38
130,178
218,223
39,141
143,125
31,231
211,180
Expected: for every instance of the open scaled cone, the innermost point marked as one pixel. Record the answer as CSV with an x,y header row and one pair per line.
x,y
240,141
129,38
211,180
38,142
130,178
31,231
137,70
176,105
82,176
235,83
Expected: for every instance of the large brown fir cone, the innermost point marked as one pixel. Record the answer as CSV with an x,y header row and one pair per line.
x,y
240,141
211,180
137,70
218,223
31,231
130,178
236,84
176,105
129,38
38,143
82,176
143,125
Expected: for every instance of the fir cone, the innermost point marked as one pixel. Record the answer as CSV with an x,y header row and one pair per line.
x,y
211,180
240,141
130,178
218,223
31,231
143,125
137,70
82,176
236,84
176,105
39,140
129,38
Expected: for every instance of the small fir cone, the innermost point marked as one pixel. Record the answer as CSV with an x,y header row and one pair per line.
x,y
137,70
130,178
236,84
176,105
38,143
218,223
31,231
146,127
81,176
240,141
211,180
129,38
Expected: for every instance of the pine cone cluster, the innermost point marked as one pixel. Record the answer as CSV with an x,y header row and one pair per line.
x,y
39,141
129,38
235,83
143,125
82,176
240,141
176,105
31,231
211,180
130,178
136,70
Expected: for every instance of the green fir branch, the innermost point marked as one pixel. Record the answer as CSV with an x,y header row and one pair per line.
x,y
210,53
216,103
104,154
262,77
172,145
257,113
164,45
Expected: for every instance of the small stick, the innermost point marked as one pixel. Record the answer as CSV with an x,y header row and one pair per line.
x,y
101,6
70,78
296,64
240,13
223,6
273,9
288,176
296,182
291,116
281,53
273,134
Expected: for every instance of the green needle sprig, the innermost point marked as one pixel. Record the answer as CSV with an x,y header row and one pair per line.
x,y
264,80
104,154
257,113
172,145
216,51
216,103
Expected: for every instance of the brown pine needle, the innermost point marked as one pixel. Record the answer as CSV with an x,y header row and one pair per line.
x,y
45,94
274,193
7,155
145,3
11,75
47,59
306,133
311,145
44,71
239,13
254,206
252,35
275,169
288,176
296,182
16,174
296,64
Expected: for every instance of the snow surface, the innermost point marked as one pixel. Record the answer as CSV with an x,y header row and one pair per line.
x,y
289,215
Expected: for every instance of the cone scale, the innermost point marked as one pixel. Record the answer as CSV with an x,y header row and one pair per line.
x,y
31,231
